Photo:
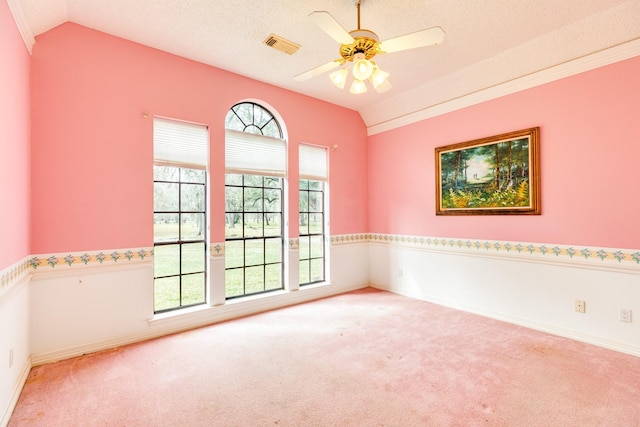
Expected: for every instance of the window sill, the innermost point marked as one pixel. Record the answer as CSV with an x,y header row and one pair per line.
x,y
242,306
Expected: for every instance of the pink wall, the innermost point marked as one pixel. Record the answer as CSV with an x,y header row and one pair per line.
x,y
14,142
590,154
93,150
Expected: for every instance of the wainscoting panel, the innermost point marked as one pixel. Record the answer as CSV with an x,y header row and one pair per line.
x,y
533,285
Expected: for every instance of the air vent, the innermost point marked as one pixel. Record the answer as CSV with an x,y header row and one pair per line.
x,y
281,44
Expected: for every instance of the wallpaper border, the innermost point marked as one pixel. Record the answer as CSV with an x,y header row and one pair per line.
x,y
578,255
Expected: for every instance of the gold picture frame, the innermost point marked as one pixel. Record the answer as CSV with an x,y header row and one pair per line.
x,y
498,175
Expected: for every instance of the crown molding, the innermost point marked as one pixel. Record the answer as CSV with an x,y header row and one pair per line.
x,y
15,6
585,63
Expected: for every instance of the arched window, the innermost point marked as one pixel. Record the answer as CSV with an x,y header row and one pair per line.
x,y
252,118
255,162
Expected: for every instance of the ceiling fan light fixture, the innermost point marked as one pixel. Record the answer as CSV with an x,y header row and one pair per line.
x,y
358,87
362,69
378,77
339,78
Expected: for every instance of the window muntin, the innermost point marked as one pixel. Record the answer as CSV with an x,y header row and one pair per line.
x,y
179,237
312,232
254,225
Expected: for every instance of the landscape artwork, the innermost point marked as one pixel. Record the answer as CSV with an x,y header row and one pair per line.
x,y
490,176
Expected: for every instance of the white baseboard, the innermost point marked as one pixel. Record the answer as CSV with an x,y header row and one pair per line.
x,y
165,325
527,323
22,379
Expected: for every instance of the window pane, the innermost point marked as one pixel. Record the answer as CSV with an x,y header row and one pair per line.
x,y
192,227
304,184
254,279
272,225
166,173
254,252
272,201
193,289
233,179
273,250
165,227
193,175
304,223
317,247
166,260
192,257
233,122
234,282
245,112
234,253
253,199
233,225
233,199
166,293
165,197
272,182
253,180
304,201
315,201
273,279
304,247
317,274
192,197
253,225
261,116
316,185
304,271
315,223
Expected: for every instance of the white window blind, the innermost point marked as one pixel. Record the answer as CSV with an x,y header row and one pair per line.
x,y
313,162
254,154
180,143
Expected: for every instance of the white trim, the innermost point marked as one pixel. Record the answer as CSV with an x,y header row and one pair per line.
x,y
15,6
17,390
527,323
586,63
206,315
77,270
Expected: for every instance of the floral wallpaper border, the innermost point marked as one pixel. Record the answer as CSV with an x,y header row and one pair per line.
x,y
565,252
89,258
12,274
552,252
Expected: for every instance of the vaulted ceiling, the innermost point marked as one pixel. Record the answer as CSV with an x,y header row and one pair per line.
x,y
489,44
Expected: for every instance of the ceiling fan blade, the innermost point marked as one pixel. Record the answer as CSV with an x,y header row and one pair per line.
x,y
329,25
422,38
317,71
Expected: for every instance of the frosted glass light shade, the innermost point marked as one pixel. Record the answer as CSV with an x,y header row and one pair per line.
x,y
339,78
358,87
378,77
362,69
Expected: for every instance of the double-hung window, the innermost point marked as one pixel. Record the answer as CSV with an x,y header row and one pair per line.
x,y
255,161
312,226
179,217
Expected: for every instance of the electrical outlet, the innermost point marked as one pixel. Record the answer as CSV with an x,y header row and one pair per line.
x,y
10,357
400,273
580,306
625,315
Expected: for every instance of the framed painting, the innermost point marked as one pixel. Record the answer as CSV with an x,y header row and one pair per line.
x,y
498,175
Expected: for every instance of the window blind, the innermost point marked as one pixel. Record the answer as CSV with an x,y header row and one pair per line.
x,y
180,143
254,154
313,162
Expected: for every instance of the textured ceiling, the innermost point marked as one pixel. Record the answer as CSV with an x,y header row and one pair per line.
x,y
487,42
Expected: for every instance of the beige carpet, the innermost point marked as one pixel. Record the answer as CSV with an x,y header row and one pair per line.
x,y
366,358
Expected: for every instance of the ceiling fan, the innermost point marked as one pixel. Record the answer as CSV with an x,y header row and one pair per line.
x,y
359,47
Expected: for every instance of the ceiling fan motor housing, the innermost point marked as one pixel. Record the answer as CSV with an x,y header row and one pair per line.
x,y
365,42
